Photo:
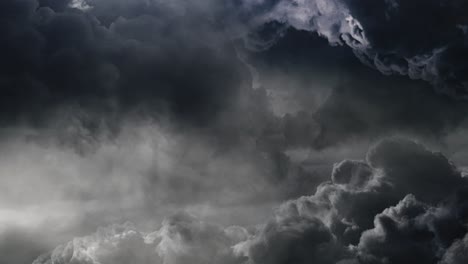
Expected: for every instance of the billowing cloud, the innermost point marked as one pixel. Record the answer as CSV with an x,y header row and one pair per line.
x,y
116,110
55,55
457,253
421,39
366,214
410,232
181,239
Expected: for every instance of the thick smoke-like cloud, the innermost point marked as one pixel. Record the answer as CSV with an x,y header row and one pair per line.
x,y
179,58
326,96
367,213
244,134
421,39
55,55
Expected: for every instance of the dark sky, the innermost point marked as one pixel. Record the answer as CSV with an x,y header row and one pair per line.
x,y
233,132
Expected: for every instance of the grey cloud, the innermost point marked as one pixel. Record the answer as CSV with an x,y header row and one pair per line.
x,y
78,180
109,245
368,216
181,239
457,253
412,232
327,97
398,236
31,243
157,57
122,56
387,34
352,173
410,168
364,215
295,239
163,62
96,68
368,105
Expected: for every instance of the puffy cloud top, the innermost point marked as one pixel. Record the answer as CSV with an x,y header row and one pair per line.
x,y
181,239
367,214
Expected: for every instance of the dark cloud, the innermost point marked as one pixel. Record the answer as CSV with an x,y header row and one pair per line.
x,y
365,215
398,237
57,5
164,62
395,30
326,96
366,212
181,239
368,105
411,168
387,34
456,254
294,239
224,109
156,57
119,56
412,232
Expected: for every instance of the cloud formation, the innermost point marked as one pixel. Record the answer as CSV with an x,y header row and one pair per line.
x,y
421,39
136,109
181,239
55,55
366,214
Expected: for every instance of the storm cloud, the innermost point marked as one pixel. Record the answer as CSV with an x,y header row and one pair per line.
x,y
420,39
55,55
238,132
364,215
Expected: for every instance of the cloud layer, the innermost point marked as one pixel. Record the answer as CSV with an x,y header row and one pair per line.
x,y
116,110
389,208
54,55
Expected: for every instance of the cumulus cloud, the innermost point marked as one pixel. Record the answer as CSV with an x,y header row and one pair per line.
x,y
67,178
410,232
364,215
244,133
181,239
294,240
